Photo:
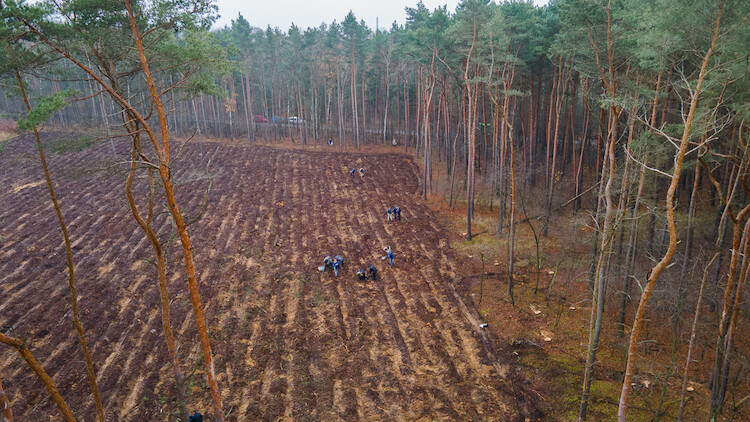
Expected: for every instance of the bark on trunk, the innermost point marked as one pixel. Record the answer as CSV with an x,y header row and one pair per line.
x,y
161,265
661,265
20,346
162,150
69,259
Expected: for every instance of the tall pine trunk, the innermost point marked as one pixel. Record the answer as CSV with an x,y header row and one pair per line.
x,y
662,264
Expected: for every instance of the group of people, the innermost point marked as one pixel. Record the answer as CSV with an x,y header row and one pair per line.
x,y
372,272
338,261
334,263
393,213
352,171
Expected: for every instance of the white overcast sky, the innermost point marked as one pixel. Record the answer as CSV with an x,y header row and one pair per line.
x,y
307,13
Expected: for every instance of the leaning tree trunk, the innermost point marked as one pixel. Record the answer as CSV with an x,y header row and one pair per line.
x,y
20,346
599,291
661,265
161,266
162,150
69,256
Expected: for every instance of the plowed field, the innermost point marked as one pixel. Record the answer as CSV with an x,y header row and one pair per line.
x,y
290,342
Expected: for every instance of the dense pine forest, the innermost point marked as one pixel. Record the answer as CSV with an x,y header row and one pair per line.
x,y
628,117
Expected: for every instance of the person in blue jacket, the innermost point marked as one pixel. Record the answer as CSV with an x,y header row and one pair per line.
x,y
337,263
389,254
397,213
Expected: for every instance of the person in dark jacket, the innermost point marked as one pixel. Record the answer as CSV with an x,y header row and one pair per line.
x,y
397,213
373,272
195,417
361,275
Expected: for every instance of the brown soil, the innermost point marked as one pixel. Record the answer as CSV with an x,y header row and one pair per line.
x,y
290,343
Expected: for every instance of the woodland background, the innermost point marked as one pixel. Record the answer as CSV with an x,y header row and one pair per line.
x,y
628,117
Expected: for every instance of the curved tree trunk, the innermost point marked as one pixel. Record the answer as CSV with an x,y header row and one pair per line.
x,y
164,171
41,374
662,264
161,267
69,256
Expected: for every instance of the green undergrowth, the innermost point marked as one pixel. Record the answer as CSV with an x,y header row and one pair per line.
x,y
557,366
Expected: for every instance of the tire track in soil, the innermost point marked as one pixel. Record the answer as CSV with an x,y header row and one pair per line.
x,y
456,324
382,349
274,381
447,340
360,366
301,401
366,398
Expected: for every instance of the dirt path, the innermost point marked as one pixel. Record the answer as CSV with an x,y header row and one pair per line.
x,y
291,343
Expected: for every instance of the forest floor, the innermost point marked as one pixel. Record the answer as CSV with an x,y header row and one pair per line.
x,y
290,342
546,327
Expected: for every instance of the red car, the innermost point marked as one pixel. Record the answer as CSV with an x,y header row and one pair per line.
x,y
259,119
